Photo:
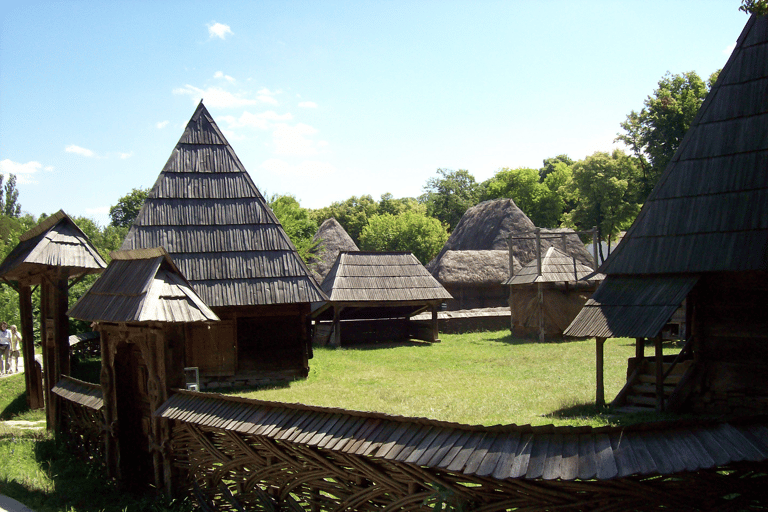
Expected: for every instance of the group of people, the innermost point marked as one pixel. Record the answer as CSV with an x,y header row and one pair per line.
x,y
10,344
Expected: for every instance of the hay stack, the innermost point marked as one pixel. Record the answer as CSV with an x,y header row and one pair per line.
x,y
331,239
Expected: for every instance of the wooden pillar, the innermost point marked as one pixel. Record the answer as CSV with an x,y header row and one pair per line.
x,y
659,356
109,410
49,352
336,326
435,327
32,378
600,385
60,339
639,350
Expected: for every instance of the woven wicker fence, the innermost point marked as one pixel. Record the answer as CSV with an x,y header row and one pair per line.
x,y
231,471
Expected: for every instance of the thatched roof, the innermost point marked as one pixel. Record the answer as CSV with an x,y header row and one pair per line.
x,y
556,267
141,286
205,210
55,242
707,213
330,240
477,267
488,227
381,277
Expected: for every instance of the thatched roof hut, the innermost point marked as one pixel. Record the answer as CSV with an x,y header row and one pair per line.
x,y
701,237
331,239
389,287
205,210
486,238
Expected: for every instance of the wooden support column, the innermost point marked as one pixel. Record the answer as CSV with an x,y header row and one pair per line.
x,y
336,326
32,378
639,350
435,326
600,386
49,352
659,356
61,338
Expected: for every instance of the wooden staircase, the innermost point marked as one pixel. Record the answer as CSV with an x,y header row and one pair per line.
x,y
640,394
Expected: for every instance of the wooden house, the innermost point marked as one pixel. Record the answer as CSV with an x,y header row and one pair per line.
x,y
548,293
490,239
144,310
205,210
373,295
701,237
49,255
331,239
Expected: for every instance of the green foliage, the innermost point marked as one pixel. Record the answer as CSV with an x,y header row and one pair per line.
x,y
603,187
389,204
410,231
448,195
127,208
654,133
296,222
9,201
550,164
757,7
352,214
542,205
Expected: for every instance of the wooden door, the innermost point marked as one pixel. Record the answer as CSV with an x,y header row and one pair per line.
x,y
213,348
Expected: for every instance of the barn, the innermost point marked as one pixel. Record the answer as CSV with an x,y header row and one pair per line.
x,y
206,212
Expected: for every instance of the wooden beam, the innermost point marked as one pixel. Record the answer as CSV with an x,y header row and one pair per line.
x,y
32,378
600,385
435,329
659,357
639,350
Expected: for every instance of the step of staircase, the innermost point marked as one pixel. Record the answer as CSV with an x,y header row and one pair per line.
x,y
641,400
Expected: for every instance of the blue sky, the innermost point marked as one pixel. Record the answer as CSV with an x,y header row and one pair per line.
x,y
325,100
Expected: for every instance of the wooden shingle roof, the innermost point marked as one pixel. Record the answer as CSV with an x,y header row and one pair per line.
x,y
500,452
331,238
55,242
556,267
141,286
83,393
381,277
205,210
708,211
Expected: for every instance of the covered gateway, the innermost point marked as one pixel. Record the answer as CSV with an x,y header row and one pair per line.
x,y
205,210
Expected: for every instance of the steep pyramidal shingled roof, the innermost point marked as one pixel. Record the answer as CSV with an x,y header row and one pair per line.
x,y
556,267
708,212
331,239
205,210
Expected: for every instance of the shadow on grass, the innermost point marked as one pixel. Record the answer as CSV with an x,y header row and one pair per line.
x,y
608,415
377,345
509,339
17,406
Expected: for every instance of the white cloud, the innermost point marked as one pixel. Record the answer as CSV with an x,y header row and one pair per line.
x,y
308,104
219,74
219,30
260,120
267,99
79,151
729,49
123,156
162,124
215,97
305,169
294,140
24,172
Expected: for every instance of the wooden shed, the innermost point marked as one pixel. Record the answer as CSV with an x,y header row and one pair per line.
x,y
474,263
548,293
205,210
373,295
701,237
49,256
144,310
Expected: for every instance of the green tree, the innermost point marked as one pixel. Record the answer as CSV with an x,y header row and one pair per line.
x,y
127,208
543,206
757,7
296,222
352,214
410,231
602,186
654,133
389,204
550,164
9,200
448,195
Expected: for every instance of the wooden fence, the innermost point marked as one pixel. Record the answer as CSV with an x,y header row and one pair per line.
x,y
236,455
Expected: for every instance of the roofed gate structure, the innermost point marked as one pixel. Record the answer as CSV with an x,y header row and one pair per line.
x,y
701,237
205,210
49,255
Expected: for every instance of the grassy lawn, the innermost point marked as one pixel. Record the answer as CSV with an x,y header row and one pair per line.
x,y
483,378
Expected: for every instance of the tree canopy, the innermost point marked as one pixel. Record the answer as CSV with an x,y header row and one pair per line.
x,y
127,208
449,194
542,205
410,231
296,222
654,133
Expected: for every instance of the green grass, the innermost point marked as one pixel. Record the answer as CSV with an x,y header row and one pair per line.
x,y
483,378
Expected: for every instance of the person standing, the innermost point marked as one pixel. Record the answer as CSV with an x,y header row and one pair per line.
x,y
15,348
5,347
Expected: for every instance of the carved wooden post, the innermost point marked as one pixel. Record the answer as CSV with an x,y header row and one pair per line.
x,y
60,339
600,388
49,352
108,390
659,374
33,380
336,326
435,329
